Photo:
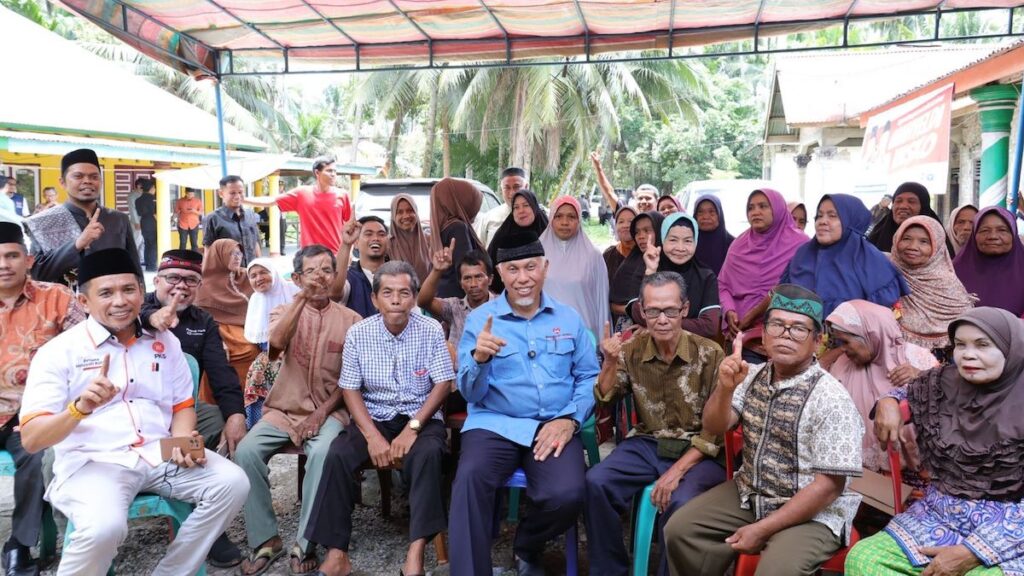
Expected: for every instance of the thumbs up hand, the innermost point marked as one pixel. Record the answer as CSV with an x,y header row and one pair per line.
x,y
734,369
487,344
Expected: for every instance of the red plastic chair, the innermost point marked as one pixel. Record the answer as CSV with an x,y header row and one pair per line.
x,y
746,564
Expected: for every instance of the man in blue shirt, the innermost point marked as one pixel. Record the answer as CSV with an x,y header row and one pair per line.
x,y
527,368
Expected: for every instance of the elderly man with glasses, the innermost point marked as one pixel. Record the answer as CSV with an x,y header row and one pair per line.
x,y
790,502
170,307
671,374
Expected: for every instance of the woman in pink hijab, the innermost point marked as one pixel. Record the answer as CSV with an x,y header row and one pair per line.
x,y
875,360
753,266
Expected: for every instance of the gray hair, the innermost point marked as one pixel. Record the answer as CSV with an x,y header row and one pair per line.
x,y
659,279
396,268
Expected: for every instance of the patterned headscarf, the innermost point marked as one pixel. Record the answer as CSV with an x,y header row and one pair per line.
x,y
937,297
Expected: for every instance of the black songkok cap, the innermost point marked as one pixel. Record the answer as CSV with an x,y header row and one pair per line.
x,y
106,263
11,233
80,156
184,259
519,245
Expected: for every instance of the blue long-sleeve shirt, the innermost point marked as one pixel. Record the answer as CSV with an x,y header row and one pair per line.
x,y
546,370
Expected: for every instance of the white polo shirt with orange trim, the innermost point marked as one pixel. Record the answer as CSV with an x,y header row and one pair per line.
x,y
154,382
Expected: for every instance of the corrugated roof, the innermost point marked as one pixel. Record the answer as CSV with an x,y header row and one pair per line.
x,y
56,86
208,36
835,87
60,144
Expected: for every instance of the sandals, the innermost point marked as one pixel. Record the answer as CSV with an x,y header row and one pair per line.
x,y
265,553
296,554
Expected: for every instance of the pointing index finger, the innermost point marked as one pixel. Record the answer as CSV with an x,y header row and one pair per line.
x,y
737,346
451,246
607,330
105,366
95,215
488,324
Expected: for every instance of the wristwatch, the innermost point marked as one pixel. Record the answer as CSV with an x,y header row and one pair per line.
x,y
415,425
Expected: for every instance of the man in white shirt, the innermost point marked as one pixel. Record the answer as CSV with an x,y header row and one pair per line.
x,y
103,394
512,180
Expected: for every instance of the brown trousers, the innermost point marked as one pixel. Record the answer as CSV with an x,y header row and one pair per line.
x,y
695,539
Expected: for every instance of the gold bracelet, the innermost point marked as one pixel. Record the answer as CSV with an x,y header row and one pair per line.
x,y
75,412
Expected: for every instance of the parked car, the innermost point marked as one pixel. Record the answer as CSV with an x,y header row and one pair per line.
x,y
733,195
604,213
375,196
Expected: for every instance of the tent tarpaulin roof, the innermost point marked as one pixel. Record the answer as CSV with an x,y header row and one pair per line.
x,y
224,37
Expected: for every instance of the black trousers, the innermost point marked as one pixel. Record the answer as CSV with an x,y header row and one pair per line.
x,y
330,521
149,250
192,236
28,487
555,492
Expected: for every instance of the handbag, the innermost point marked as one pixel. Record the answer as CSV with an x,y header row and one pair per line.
x,y
258,382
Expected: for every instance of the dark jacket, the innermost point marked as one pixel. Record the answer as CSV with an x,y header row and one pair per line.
x,y
359,291
145,205
200,336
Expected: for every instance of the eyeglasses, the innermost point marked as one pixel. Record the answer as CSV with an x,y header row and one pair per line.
x,y
653,313
798,332
174,280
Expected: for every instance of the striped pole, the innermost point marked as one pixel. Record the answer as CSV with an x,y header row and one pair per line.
x,y
995,105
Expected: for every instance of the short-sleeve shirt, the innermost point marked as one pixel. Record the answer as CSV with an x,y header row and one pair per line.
x,y
322,215
154,382
243,228
669,397
454,311
811,427
188,210
395,373
42,311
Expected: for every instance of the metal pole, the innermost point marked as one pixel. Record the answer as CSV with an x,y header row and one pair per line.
x,y
1013,194
220,130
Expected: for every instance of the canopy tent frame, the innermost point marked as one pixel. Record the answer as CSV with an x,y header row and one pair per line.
x,y
743,39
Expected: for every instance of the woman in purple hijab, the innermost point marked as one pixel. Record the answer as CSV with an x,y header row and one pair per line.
x,y
755,262
714,238
991,264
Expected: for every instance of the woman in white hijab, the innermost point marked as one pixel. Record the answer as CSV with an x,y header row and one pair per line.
x,y
577,275
269,292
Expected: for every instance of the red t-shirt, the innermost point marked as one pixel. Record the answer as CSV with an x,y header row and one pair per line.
x,y
322,215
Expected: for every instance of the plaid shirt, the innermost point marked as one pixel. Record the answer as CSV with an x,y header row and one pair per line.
x,y
395,373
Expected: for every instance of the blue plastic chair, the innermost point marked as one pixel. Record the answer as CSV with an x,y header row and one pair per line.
x,y
48,534
152,505
517,482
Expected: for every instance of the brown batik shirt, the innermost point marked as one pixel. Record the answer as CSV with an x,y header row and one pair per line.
x,y
669,396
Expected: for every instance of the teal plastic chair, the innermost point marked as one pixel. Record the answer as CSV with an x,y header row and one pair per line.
x,y
152,505
48,534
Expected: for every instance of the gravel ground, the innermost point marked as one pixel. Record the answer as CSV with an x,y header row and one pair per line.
x,y
378,545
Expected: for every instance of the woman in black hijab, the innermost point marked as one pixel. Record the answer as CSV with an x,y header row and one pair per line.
x,y
526,215
910,199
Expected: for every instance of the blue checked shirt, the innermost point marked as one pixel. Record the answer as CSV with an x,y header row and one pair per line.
x,y
395,373
515,392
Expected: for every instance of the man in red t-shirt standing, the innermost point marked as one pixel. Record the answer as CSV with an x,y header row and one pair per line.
x,y
323,208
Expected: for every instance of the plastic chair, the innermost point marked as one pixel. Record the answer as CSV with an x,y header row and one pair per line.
x,y
588,434
48,532
746,564
516,482
152,505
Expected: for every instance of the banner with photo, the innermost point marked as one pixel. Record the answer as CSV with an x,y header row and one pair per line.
x,y
909,143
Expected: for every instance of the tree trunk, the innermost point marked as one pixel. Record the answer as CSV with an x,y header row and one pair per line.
x,y
522,152
428,148
446,148
396,128
357,130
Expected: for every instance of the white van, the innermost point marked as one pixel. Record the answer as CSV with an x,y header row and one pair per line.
x,y
733,195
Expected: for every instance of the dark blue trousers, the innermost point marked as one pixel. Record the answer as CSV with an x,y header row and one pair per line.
x,y
611,486
555,491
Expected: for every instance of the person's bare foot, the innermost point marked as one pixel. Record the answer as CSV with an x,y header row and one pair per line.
x,y
336,563
262,557
413,565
